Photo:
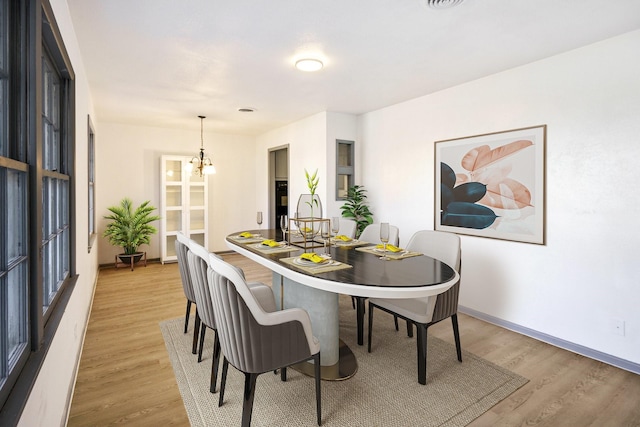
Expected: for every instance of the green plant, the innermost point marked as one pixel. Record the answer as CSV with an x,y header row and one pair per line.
x,y
312,184
356,208
129,229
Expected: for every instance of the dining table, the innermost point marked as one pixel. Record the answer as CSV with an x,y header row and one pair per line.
x,y
353,268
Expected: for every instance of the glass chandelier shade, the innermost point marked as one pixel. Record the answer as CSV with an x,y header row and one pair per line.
x,y
200,164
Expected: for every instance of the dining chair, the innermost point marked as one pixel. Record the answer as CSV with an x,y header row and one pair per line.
x,y
427,311
348,228
371,234
182,248
256,339
198,258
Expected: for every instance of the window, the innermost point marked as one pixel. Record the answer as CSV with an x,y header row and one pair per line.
x,y
37,111
344,168
91,176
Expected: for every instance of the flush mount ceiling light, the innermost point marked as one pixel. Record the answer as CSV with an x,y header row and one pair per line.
x,y
309,64
246,110
442,4
200,164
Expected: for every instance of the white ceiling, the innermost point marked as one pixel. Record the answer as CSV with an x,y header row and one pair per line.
x,y
164,62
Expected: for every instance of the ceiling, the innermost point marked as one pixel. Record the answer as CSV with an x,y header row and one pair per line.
x,y
164,62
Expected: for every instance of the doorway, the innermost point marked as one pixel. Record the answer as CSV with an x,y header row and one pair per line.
x,y
278,185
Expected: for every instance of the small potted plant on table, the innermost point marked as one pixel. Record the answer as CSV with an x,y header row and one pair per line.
x,y
129,229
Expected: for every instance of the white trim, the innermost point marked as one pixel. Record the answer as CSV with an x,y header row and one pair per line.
x,y
558,342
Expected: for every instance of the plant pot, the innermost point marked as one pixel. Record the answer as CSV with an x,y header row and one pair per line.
x,y
126,258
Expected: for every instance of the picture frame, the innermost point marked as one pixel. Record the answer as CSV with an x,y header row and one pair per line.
x,y
492,185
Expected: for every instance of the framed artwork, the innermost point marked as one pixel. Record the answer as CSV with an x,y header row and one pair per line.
x,y
492,185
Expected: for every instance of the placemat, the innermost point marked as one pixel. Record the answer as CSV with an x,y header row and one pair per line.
x,y
315,269
273,250
392,255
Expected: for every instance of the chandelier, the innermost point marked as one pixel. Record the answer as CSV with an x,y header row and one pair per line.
x,y
200,164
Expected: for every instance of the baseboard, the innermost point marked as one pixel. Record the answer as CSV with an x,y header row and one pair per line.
x,y
549,339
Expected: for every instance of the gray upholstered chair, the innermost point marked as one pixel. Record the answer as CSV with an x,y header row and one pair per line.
x,y
256,339
182,248
198,258
424,312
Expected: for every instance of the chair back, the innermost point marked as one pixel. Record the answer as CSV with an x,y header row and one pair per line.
x,y
371,234
348,227
251,339
198,264
182,248
444,247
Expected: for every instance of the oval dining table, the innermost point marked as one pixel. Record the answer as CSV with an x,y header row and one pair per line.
x,y
318,292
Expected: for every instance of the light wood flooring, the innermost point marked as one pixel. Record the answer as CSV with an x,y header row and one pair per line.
x,y
125,376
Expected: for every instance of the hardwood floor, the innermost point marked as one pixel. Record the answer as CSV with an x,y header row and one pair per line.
x,y
125,376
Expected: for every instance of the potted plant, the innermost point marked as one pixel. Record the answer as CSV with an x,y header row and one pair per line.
x,y
129,229
356,208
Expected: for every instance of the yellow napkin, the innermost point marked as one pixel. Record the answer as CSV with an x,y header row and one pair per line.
x,y
271,243
343,238
312,257
390,248
245,234
306,230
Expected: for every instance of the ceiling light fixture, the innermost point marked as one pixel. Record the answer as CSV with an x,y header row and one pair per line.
x,y
246,110
309,64
200,164
442,4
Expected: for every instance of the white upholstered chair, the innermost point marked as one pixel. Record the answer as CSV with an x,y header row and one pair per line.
x,y
371,234
424,312
256,339
347,228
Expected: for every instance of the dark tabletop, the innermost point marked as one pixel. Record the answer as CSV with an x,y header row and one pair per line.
x,y
368,269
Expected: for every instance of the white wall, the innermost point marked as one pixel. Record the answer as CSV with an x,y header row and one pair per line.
x,y
128,164
587,273
312,145
52,391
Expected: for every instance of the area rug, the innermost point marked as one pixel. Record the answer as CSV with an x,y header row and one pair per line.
x,y
384,391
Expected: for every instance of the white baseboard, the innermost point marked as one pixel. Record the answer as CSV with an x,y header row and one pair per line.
x,y
567,345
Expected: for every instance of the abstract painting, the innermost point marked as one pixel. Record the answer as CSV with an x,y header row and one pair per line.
x,y
492,185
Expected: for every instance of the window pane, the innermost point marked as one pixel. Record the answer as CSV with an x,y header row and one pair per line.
x,y
17,310
344,154
343,185
16,215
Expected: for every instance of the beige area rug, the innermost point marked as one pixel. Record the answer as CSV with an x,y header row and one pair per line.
x,y
384,391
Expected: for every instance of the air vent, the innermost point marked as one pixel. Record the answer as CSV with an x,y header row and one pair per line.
x,y
442,4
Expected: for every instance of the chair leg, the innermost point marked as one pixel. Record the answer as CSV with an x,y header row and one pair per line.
x,y
223,380
202,333
421,343
215,362
316,363
395,322
370,328
409,329
456,335
353,302
186,316
249,394
196,330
